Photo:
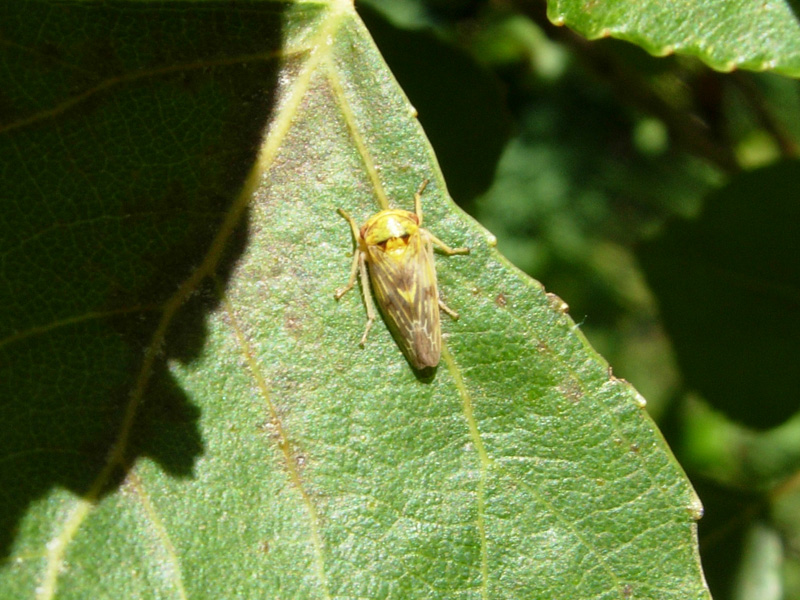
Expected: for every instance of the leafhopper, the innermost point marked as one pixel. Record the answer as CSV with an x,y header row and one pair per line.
x,y
395,254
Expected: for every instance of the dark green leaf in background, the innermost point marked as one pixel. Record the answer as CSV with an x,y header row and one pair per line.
x,y
727,285
185,409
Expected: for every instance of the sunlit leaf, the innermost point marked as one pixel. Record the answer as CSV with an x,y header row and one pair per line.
x,y
186,409
725,35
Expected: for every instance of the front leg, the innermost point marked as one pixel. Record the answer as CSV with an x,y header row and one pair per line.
x,y
351,282
365,290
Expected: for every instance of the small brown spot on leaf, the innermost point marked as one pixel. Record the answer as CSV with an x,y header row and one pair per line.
x,y
557,303
572,390
293,324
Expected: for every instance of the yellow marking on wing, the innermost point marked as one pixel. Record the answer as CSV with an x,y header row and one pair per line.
x,y
405,288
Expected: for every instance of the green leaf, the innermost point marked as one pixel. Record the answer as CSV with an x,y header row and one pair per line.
x,y
727,285
185,406
725,35
467,155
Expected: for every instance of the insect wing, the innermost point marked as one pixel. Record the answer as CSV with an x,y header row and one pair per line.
x,y
405,287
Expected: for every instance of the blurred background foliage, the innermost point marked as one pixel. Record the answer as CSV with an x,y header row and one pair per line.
x,y
658,198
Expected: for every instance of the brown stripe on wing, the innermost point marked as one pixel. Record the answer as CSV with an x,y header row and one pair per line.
x,y
405,288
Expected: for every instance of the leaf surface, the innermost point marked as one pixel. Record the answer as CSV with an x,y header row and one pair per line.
x,y
725,35
186,407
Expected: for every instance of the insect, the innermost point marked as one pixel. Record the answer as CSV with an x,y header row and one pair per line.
x,y
396,254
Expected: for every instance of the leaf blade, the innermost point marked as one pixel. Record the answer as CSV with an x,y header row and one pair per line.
x,y
724,35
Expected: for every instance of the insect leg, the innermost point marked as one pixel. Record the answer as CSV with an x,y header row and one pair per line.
x,y
444,247
354,226
453,314
362,265
351,282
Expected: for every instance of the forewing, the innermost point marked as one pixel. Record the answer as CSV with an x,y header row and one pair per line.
x,y
405,288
